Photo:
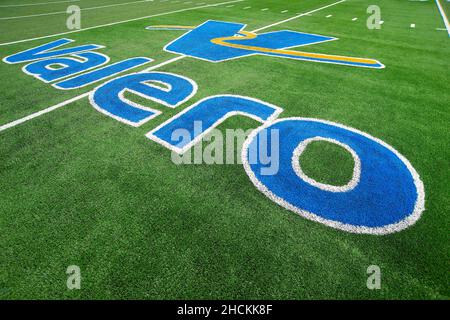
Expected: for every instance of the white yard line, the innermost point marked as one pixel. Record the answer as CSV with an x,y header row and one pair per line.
x,y
59,105
119,22
41,112
34,4
82,9
444,16
298,16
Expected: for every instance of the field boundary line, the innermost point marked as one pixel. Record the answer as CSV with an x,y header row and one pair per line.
x,y
35,4
444,16
179,57
119,22
81,9
297,16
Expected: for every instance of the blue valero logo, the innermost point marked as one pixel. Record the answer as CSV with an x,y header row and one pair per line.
x,y
385,194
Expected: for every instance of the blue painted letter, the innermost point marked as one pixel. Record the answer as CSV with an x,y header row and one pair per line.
x,y
209,113
42,52
387,197
69,66
170,90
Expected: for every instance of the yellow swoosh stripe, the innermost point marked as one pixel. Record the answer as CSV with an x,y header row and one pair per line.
x,y
250,35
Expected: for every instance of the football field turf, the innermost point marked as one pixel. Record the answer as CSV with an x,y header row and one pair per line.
x,y
78,187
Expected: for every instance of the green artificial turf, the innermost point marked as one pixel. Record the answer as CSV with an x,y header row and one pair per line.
x,y
80,188
327,163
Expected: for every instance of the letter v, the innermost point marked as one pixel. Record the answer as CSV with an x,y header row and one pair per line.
x,y
43,52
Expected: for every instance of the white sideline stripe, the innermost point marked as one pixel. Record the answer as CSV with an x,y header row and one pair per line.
x,y
123,21
47,110
34,4
81,96
82,9
298,16
444,17
41,112
164,63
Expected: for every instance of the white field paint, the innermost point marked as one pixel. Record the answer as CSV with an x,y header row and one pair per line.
x,y
329,16
82,9
297,16
41,112
354,19
265,9
444,16
120,22
284,11
413,25
49,109
246,8
34,4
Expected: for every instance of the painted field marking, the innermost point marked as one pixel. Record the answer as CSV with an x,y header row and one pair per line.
x,y
247,8
82,9
298,16
284,11
34,4
381,22
120,22
329,16
444,16
354,19
413,25
59,105
265,9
